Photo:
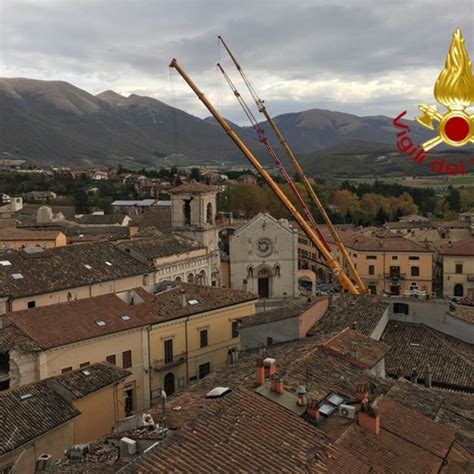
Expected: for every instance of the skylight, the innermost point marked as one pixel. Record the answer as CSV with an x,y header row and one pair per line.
x,y
88,266
5,263
25,396
17,276
108,263
193,302
125,317
86,372
101,323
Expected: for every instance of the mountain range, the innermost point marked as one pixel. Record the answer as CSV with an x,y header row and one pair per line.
x,y
54,122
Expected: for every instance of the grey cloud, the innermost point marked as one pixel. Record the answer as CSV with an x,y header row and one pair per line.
x,y
127,45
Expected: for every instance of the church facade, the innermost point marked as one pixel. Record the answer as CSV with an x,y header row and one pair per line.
x,y
263,257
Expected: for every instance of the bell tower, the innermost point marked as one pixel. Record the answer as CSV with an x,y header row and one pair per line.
x,y
193,215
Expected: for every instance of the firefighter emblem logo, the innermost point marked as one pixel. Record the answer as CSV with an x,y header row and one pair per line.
x,y
454,89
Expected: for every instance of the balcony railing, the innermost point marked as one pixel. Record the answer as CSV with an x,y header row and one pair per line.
x,y
395,276
178,359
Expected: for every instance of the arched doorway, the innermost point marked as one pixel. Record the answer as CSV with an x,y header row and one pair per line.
x,y
263,284
458,290
169,383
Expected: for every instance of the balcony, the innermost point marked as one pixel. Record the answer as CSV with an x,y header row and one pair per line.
x,y
159,365
395,276
470,278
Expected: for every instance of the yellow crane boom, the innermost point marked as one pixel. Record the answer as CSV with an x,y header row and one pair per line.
x,y
331,261
297,167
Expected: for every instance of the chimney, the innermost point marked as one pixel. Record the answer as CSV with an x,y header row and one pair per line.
x,y
368,417
260,371
43,462
279,384
354,325
354,350
362,391
301,393
312,409
428,376
270,366
182,298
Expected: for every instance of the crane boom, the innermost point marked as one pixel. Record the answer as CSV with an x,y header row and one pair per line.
x,y
332,262
299,170
263,139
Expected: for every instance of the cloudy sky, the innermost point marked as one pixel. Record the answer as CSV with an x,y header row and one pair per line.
x,y
359,56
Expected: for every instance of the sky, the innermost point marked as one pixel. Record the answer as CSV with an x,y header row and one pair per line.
x,y
358,56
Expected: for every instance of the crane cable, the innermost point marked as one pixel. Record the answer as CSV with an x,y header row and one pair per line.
x,y
263,139
299,170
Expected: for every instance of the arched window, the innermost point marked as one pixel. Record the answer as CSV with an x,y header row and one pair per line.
x,y
250,271
187,211
190,278
209,216
177,280
277,270
202,277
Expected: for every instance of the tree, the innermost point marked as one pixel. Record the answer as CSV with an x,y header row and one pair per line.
x,y
382,216
344,199
454,199
195,174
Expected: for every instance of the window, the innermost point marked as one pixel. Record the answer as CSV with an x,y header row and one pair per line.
x,y
269,341
66,369
84,364
415,271
401,308
168,351
209,217
235,329
394,270
31,304
458,267
111,359
126,359
394,257
203,336
204,369
371,270
371,257
413,258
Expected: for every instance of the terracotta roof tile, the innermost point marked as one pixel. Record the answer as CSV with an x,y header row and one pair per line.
x,y
417,346
366,311
64,267
192,188
33,416
461,247
89,379
358,349
241,432
50,326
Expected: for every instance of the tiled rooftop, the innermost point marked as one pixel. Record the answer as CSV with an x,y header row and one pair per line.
x,y
417,346
463,247
14,233
50,326
366,311
362,242
241,432
40,411
358,349
159,246
64,267
89,379
192,188
276,314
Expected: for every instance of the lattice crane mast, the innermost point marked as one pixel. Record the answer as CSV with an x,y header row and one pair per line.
x,y
332,263
299,170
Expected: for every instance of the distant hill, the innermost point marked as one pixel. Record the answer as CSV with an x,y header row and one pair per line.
x,y
53,122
